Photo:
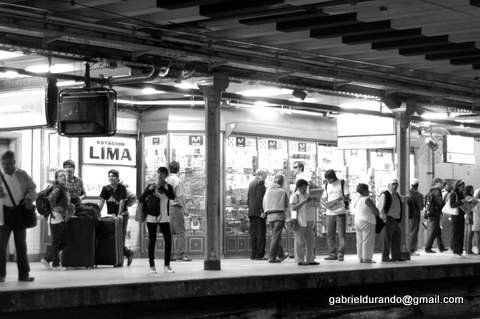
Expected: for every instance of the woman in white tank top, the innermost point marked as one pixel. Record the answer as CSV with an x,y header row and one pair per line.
x,y
365,211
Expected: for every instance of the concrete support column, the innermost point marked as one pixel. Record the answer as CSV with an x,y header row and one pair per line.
x,y
403,173
212,93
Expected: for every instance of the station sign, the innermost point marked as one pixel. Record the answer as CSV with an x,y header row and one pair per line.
x,y
459,149
366,142
195,140
109,151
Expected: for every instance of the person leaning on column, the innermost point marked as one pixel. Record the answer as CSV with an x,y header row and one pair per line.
x,y
22,188
389,204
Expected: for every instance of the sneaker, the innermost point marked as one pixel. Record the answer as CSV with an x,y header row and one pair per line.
x,y
184,258
130,258
45,263
168,270
274,261
429,251
26,279
153,270
330,258
313,263
302,263
340,258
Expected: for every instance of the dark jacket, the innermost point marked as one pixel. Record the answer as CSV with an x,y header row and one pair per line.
x,y
415,203
437,202
388,204
256,191
59,199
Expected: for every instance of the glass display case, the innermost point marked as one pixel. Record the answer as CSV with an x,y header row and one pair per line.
x,y
382,169
273,157
306,153
189,151
240,163
155,155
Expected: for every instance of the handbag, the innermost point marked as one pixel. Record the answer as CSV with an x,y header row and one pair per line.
x,y
448,209
379,224
23,217
139,213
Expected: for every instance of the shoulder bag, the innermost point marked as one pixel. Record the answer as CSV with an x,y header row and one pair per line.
x,y
447,208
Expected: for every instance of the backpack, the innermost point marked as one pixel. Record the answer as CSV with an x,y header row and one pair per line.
x,y
429,205
345,200
42,203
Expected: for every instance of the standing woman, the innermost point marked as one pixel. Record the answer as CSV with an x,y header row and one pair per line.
x,y
365,211
156,199
59,199
476,221
467,209
456,200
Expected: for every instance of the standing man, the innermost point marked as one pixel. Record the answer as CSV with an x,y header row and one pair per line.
x,y
178,211
415,206
117,198
389,205
18,185
258,227
299,169
433,212
74,184
335,197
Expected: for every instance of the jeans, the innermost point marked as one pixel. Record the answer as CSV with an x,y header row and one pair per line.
x,y
152,239
468,235
58,243
20,237
177,225
434,232
258,229
457,235
276,249
391,236
414,224
365,233
336,224
305,243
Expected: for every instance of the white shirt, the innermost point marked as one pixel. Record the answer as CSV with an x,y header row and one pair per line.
x,y
304,214
334,191
164,216
177,185
362,212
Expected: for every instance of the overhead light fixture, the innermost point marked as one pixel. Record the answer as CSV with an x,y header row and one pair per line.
x,y
5,55
434,116
299,94
262,104
185,85
163,102
12,75
150,90
68,83
54,68
392,101
265,92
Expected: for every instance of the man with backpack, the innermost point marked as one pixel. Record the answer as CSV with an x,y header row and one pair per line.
x,y
433,212
415,206
336,199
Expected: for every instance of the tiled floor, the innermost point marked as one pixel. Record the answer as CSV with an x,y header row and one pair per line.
x,y
231,268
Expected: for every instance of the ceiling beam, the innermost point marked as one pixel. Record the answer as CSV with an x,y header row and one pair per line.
x,y
461,61
413,42
320,22
438,48
453,55
353,29
299,15
236,8
178,4
383,36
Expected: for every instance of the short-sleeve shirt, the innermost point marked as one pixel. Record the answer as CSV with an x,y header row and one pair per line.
x,y
334,191
177,185
118,194
304,214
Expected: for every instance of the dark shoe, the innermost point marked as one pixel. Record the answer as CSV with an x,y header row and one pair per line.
x,y
282,258
27,279
130,258
399,259
414,253
261,258
368,261
274,261
386,260
443,249
2,279
313,263
429,251
340,258
302,263
330,258
185,258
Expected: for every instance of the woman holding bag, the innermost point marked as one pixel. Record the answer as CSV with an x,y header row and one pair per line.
x,y
155,201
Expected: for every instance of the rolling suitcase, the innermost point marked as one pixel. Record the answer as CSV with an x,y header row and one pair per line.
x,y
79,248
109,250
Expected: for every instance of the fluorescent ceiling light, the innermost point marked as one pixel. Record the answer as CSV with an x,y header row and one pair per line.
x,y
68,83
150,90
162,102
186,85
4,55
434,116
12,75
362,104
306,100
262,104
265,92
55,68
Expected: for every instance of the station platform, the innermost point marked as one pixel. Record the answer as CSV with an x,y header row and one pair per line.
x,y
242,289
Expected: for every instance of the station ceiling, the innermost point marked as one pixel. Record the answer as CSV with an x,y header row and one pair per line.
x,y
425,52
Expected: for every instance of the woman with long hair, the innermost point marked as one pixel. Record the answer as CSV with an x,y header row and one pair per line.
x,y
156,199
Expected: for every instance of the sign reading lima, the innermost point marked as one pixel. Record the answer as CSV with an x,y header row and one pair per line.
x,y
110,153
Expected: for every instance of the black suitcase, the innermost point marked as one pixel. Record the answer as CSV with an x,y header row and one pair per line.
x,y
79,248
109,250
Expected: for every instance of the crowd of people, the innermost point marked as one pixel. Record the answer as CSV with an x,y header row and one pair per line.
x,y
162,206
274,206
